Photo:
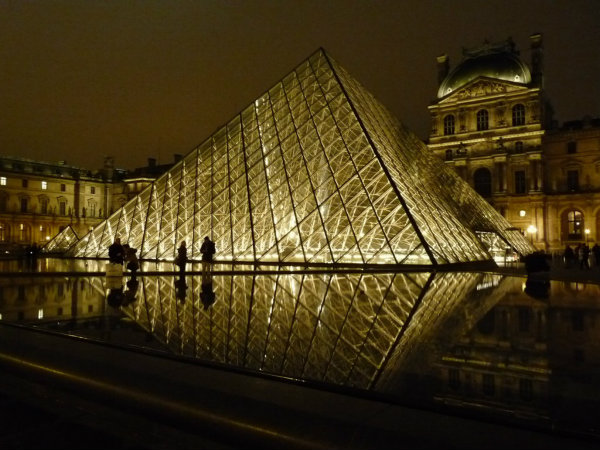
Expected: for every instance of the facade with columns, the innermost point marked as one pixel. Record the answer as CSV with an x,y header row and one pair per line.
x,y
492,122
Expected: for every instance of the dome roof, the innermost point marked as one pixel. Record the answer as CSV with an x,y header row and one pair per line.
x,y
500,65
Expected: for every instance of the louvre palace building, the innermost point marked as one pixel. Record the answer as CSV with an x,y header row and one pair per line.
x,y
492,123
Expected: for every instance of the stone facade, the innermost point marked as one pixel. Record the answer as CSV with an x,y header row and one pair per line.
x,y
493,124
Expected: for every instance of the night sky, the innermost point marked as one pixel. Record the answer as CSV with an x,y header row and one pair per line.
x,y
80,80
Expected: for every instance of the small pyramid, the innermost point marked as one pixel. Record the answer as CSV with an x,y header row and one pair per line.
x,y
315,170
62,242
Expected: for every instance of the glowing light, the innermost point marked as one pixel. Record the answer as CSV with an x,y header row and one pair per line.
x,y
522,213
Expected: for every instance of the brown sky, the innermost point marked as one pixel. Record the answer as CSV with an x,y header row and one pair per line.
x,y
136,79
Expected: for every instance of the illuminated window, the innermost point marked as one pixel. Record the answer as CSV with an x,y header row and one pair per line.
x,y
483,120
575,225
44,185
3,181
518,115
40,313
448,125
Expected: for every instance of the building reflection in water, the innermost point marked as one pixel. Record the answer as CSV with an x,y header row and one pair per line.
x,y
477,341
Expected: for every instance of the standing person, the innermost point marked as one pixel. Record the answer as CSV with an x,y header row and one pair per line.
x,y
569,256
596,253
116,252
181,258
208,249
584,256
131,259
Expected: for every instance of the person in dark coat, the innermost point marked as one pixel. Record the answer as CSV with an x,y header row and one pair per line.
x,y
208,250
116,252
181,259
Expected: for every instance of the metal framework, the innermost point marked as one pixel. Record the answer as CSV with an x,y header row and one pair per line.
x,y
315,170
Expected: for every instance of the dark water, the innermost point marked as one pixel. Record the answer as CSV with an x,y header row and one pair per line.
x,y
480,344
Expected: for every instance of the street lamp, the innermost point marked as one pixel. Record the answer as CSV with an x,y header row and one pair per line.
x,y
531,229
587,233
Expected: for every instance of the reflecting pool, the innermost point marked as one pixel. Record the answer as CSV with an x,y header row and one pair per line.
x,y
524,351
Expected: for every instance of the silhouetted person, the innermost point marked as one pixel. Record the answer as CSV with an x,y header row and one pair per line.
x,y
131,260
596,253
208,250
129,294
207,295
181,259
569,256
584,256
115,297
116,252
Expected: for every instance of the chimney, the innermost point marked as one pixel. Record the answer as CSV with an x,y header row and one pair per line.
x,y
537,60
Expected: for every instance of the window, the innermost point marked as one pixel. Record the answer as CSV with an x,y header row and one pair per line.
x,y
62,208
448,155
92,190
524,319
489,385
482,120
25,183
24,204
44,185
518,115
520,185
573,180
63,187
518,146
3,181
482,179
525,389
3,202
44,206
2,233
448,125
453,379
572,147
575,224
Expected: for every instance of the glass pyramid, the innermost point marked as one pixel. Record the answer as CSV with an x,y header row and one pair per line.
x,y
315,170
62,242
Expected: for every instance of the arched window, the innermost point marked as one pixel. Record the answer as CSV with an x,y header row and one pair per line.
x,y
482,180
574,225
518,115
483,120
448,125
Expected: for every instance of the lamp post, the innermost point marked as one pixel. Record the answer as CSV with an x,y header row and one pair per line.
x,y
531,229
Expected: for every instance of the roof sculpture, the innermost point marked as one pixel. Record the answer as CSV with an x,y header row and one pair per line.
x,y
315,170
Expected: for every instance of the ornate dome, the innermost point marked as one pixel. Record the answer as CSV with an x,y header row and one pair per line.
x,y
502,64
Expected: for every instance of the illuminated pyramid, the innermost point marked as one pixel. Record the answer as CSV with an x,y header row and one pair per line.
x,y
313,171
62,242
